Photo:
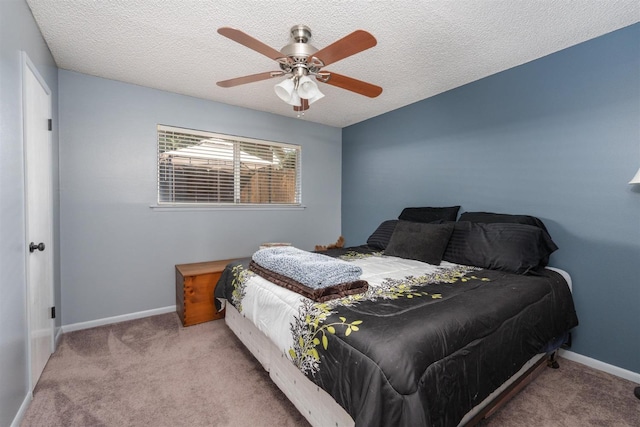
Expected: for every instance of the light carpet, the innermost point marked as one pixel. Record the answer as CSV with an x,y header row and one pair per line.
x,y
154,372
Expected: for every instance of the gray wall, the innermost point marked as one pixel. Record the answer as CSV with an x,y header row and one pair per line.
x,y
18,32
558,138
118,255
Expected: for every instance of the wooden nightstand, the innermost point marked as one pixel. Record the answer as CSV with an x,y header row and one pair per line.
x,y
195,284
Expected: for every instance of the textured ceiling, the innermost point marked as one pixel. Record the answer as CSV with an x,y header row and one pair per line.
x,y
424,47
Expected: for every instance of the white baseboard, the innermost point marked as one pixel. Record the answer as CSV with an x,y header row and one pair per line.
x,y
116,319
22,411
56,337
601,366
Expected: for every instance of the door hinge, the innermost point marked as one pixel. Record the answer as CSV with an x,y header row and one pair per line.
x,y
53,312
50,124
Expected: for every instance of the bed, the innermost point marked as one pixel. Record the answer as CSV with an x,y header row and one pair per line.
x,y
424,343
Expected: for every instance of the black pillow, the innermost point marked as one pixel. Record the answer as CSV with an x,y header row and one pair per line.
x,y
516,248
491,217
380,238
419,241
429,214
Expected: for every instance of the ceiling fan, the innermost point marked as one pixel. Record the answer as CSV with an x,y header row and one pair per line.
x,y
301,61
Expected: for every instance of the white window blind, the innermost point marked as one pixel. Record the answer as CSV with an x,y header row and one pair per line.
x,y
196,167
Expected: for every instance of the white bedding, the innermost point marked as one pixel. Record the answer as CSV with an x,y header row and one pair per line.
x,y
271,308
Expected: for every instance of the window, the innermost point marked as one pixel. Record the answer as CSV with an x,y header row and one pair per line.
x,y
196,167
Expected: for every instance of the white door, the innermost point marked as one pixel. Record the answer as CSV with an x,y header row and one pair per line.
x,y
39,243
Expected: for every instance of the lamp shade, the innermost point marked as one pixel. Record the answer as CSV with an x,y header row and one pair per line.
x,y
320,95
636,178
284,90
307,88
295,100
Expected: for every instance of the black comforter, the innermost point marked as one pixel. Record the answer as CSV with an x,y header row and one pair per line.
x,y
433,350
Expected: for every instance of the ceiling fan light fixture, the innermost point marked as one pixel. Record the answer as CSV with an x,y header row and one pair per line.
x,y
291,90
307,88
295,100
285,90
299,61
319,95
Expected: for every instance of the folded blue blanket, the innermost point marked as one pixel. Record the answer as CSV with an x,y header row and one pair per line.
x,y
311,269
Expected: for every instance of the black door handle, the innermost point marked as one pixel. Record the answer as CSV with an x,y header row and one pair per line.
x,y
33,247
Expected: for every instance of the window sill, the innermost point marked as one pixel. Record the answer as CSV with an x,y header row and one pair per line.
x,y
192,207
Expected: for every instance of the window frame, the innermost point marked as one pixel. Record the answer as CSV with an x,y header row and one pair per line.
x,y
237,178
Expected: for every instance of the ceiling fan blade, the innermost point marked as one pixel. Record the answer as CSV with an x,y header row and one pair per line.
x,y
349,45
354,85
304,105
248,41
249,79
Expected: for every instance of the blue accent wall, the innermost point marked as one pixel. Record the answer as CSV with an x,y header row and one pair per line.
x,y
558,138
